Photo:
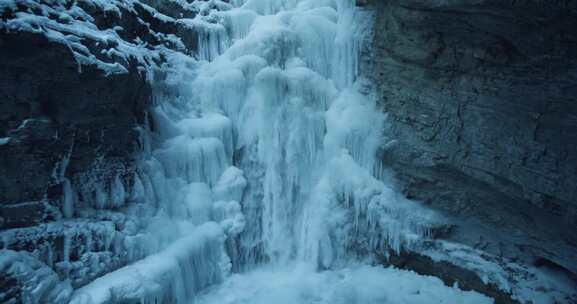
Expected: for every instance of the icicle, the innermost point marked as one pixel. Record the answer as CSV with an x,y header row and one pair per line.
x,y
212,38
117,193
198,202
317,35
239,22
196,160
211,125
66,248
138,193
100,197
347,43
68,199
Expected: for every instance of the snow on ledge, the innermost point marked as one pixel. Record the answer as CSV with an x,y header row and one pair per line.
x,y
67,23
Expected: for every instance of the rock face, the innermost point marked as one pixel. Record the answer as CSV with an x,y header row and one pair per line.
x,y
449,273
73,92
483,119
56,118
74,98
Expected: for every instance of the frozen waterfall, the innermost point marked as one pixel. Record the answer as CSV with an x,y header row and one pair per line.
x,y
265,171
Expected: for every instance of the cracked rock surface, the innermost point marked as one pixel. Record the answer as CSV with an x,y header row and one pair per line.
x,y
481,98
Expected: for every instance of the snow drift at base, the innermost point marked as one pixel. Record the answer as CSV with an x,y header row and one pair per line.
x,y
356,284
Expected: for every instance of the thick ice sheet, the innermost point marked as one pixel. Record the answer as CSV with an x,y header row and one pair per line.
x,y
174,275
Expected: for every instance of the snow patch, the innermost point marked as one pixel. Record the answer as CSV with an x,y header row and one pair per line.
x,y
357,284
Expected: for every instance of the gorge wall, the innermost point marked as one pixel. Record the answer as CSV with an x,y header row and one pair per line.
x,y
75,93
480,97
120,145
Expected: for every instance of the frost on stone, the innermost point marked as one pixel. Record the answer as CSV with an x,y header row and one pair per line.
x,y
525,283
78,27
35,281
174,275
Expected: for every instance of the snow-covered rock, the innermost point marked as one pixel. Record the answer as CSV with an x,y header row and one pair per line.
x,y
30,280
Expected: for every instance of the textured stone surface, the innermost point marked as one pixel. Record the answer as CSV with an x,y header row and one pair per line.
x,y
60,119
64,122
481,97
449,273
52,112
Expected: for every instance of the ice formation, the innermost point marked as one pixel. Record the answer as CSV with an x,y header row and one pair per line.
x,y
175,275
276,145
39,283
265,154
